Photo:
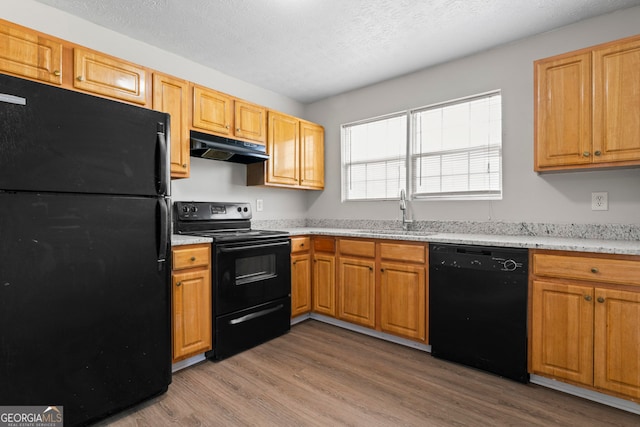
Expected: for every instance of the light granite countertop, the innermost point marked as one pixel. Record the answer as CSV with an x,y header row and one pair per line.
x,y
620,247
180,239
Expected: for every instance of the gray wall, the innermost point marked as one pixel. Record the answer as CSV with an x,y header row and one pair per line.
x,y
558,198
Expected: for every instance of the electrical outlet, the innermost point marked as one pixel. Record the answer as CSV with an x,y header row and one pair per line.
x,y
600,201
259,205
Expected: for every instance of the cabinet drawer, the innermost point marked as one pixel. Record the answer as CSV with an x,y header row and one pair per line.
x,y
324,244
299,244
619,271
357,248
191,256
402,252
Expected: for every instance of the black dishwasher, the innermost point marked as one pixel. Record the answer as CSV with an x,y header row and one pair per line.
x,y
478,307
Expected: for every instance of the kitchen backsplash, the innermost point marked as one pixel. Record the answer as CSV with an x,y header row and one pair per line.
x,y
580,231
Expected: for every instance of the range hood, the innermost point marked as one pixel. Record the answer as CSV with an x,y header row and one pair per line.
x,y
229,150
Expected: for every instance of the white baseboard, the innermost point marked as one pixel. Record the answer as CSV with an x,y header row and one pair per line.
x,y
187,362
605,399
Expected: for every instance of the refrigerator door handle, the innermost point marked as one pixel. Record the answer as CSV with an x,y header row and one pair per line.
x,y
163,177
163,230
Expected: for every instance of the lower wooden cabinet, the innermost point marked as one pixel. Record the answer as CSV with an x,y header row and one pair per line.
x,y
383,285
191,300
357,291
585,321
300,276
323,277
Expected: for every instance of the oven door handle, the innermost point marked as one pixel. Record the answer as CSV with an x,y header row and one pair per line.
x,y
255,315
225,249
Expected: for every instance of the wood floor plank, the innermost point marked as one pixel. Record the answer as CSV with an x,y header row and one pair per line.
x,y
322,375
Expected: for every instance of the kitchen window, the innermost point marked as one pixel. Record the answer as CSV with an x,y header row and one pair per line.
x,y
453,150
374,158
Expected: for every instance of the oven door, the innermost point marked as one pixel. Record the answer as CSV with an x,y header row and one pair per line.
x,y
250,273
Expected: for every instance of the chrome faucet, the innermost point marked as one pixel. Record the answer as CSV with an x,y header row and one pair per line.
x,y
403,208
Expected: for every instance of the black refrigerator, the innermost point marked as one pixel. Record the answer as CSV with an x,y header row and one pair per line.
x,y
84,251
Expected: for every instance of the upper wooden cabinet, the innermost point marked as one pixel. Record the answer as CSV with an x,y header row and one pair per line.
x,y
311,155
296,151
171,95
223,115
26,53
586,108
104,75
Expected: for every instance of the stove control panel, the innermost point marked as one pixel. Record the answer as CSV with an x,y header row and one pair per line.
x,y
207,211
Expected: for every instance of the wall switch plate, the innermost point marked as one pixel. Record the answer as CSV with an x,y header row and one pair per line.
x,y
259,205
600,201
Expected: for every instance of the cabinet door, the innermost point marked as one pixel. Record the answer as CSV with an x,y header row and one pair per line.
x,y
616,123
300,284
562,331
212,111
617,341
311,155
171,95
191,313
324,284
110,77
27,54
356,291
250,121
403,300
282,146
563,111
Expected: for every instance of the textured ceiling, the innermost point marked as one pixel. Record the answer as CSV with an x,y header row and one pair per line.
x,y
312,49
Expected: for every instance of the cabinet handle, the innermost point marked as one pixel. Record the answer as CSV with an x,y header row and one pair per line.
x,y
600,300
597,153
237,129
179,284
56,73
370,268
226,126
382,270
586,154
80,78
193,258
587,297
594,270
184,165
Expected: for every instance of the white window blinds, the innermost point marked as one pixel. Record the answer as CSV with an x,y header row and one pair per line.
x,y
456,149
374,158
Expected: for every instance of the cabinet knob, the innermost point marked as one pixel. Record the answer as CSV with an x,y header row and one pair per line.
x,y
597,153
600,300
193,258
237,129
179,284
56,73
586,154
370,268
587,297
184,165
80,78
594,270
226,126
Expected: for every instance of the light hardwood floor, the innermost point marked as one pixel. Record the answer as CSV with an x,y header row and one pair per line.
x,y
321,375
